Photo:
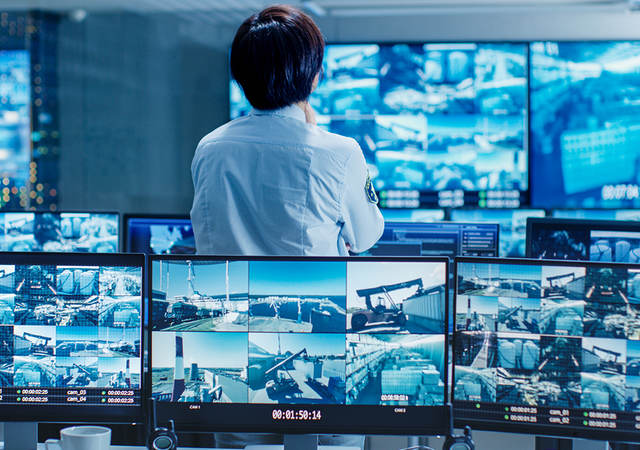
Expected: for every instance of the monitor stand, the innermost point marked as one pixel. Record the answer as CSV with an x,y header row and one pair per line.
x,y
301,441
20,436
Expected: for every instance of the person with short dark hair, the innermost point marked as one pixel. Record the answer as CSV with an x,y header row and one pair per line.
x,y
273,182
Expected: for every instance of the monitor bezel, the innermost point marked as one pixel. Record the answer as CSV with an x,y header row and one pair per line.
x,y
591,225
126,241
81,413
166,411
559,431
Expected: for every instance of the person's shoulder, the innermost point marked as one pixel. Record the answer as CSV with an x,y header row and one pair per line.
x,y
221,132
342,146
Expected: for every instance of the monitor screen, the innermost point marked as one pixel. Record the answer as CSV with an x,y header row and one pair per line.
x,y
59,232
70,337
413,215
598,214
437,239
440,124
585,130
300,344
589,240
159,234
15,125
547,347
513,225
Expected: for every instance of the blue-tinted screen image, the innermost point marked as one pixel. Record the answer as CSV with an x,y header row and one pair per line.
x,y
428,117
585,124
160,236
15,123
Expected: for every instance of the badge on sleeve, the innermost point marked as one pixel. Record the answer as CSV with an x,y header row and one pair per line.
x,y
371,192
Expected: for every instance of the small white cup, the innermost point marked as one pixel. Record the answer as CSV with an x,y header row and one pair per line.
x,y
81,438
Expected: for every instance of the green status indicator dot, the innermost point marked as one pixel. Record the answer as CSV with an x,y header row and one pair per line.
x,y
478,405
585,423
19,391
19,399
506,417
104,400
586,414
104,392
506,408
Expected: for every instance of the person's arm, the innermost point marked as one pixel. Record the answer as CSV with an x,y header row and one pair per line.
x,y
362,222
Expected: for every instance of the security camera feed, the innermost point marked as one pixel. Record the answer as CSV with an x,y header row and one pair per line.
x,y
160,236
15,120
55,334
200,295
316,331
294,297
439,124
572,239
584,109
59,232
565,339
436,239
513,226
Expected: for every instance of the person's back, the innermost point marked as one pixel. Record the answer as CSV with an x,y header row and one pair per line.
x,y
271,184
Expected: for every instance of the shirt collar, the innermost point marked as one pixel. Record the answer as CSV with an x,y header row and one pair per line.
x,y
291,111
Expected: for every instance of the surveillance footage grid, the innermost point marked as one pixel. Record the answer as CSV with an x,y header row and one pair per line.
x,y
548,344
585,131
160,236
586,242
70,334
298,332
439,124
59,232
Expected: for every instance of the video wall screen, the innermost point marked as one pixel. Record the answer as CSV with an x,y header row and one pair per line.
x,y
585,130
159,235
547,347
15,121
313,335
589,240
439,124
70,336
59,232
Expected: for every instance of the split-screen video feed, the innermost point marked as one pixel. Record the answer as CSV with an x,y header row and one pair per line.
x,y
305,332
70,326
566,336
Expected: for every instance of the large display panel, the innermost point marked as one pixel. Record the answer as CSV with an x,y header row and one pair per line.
x,y
589,240
70,337
59,232
585,130
437,239
513,225
15,122
314,345
440,124
547,347
159,234
413,215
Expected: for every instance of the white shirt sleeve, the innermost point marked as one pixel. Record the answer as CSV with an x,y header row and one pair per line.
x,y
362,221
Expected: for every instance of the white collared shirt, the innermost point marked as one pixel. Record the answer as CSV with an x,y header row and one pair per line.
x,y
271,184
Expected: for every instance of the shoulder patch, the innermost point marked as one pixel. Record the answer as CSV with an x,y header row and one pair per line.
x,y
370,191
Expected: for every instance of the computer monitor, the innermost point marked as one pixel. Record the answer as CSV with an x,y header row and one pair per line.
x,y
413,215
15,126
598,214
159,234
547,347
589,240
513,225
82,231
440,124
437,239
585,134
70,337
300,345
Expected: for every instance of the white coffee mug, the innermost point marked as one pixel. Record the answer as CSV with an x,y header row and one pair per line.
x,y
81,438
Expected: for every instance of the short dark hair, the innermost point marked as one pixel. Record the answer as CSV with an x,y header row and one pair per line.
x,y
275,56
